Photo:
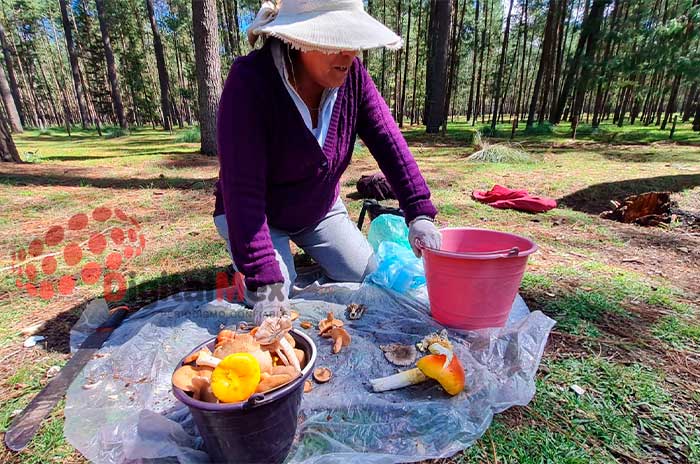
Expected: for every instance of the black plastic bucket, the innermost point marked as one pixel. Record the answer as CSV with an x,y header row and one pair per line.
x,y
259,430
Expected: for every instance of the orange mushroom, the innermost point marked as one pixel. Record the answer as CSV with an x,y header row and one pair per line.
x,y
441,365
340,339
329,323
451,377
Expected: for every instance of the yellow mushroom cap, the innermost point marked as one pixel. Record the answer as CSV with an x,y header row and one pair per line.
x,y
235,378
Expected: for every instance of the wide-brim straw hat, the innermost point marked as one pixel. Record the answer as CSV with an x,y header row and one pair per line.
x,y
322,25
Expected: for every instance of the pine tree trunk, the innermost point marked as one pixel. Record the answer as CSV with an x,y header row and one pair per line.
x,y
75,69
397,56
671,106
8,150
208,64
563,26
112,75
470,99
162,69
453,59
488,60
523,23
544,61
383,75
690,99
232,28
405,68
436,66
589,35
365,53
14,87
501,65
477,99
415,65
9,102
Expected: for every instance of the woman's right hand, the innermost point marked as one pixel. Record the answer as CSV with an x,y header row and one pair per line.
x,y
270,301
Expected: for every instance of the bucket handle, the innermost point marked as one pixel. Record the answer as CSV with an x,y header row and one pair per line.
x,y
509,253
254,400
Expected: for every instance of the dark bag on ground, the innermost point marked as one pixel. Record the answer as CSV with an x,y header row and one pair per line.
x,y
375,186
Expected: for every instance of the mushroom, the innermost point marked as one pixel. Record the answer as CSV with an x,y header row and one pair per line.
x,y
182,377
433,338
273,335
293,315
300,355
245,343
398,354
224,336
308,386
328,323
306,324
206,359
451,377
269,381
443,367
278,376
236,378
322,374
340,338
193,357
203,391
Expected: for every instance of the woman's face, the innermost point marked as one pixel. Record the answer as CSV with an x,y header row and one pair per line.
x,y
328,69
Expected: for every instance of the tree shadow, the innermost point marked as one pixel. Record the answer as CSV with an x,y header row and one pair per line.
x,y
57,329
639,156
595,199
55,178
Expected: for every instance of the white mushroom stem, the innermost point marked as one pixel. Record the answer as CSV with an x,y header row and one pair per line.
x,y
400,380
205,359
437,348
289,353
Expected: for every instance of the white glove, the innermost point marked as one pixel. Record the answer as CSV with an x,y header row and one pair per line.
x,y
269,301
423,233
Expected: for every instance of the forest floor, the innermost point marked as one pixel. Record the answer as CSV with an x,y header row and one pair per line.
x,y
625,298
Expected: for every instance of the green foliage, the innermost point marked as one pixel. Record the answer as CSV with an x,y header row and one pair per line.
x,y
191,135
545,128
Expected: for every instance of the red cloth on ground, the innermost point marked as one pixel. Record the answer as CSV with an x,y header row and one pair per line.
x,y
505,198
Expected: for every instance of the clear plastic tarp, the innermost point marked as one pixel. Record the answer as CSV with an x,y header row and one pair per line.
x,y
121,407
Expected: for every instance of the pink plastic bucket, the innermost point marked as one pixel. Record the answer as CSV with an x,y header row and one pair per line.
x,y
474,277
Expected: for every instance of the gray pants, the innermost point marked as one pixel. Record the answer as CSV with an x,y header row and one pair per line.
x,y
335,243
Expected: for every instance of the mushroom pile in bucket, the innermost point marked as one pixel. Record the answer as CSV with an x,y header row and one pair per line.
x,y
242,364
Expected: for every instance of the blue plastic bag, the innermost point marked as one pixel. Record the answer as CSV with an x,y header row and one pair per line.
x,y
388,228
397,269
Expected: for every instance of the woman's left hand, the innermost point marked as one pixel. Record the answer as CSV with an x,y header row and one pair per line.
x,y
423,233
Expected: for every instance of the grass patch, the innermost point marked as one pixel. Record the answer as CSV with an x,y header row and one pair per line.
x,y
191,135
625,412
544,128
576,312
678,333
115,132
532,282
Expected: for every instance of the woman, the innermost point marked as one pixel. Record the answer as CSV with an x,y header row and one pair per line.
x,y
288,119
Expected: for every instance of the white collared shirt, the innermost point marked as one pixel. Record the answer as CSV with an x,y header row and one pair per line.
x,y
327,99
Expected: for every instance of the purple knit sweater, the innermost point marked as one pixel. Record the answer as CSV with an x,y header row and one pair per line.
x,y
273,171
